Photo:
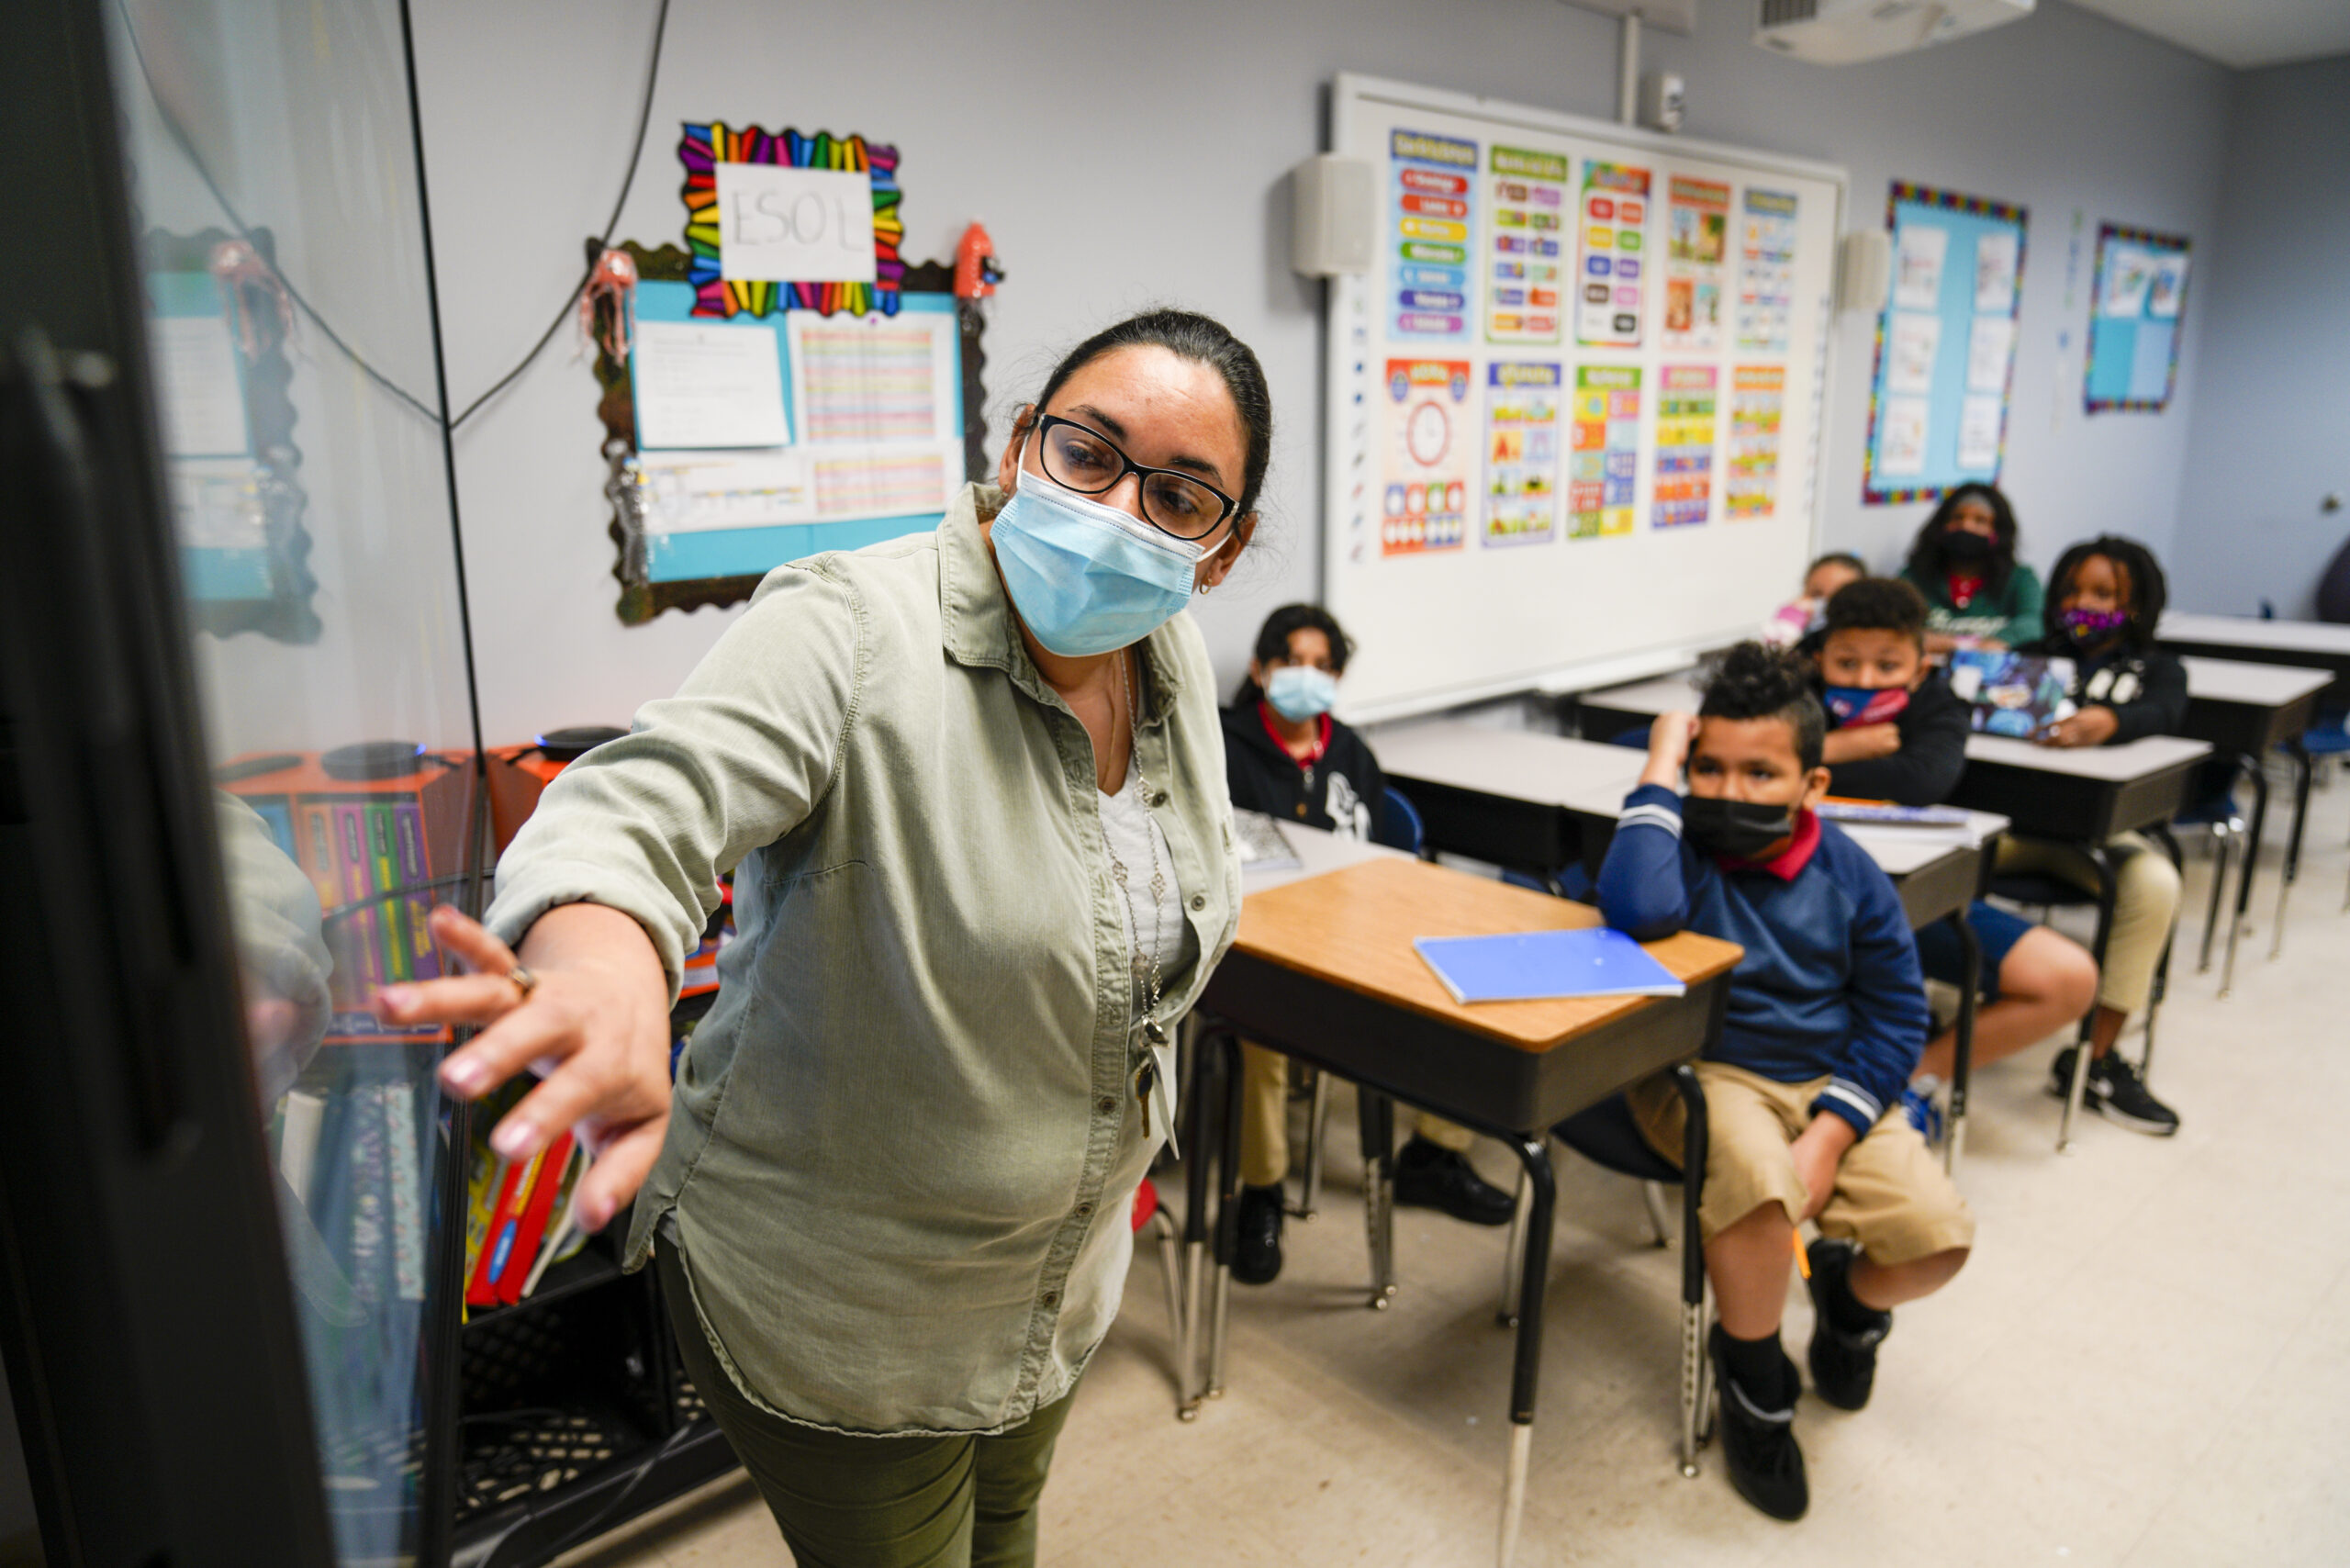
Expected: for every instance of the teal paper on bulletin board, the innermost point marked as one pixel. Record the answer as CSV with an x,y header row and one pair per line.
x,y
1945,346
2135,306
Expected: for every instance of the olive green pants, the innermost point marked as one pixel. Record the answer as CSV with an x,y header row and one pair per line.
x,y
843,1502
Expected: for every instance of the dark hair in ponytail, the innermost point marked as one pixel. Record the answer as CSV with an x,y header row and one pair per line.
x,y
1208,342
1754,681
1272,644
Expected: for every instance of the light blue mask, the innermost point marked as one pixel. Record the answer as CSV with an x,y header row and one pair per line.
x,y
1299,692
1088,579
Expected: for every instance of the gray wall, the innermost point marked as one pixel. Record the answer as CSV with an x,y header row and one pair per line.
x,y
1126,154
2271,435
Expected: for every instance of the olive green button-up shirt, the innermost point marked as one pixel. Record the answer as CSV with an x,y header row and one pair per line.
x,y
904,1145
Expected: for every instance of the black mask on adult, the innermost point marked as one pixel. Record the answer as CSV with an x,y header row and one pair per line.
x,y
1960,546
1743,830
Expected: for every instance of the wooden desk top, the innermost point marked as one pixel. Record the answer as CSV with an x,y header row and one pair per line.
x,y
2105,764
2254,685
1354,928
2252,634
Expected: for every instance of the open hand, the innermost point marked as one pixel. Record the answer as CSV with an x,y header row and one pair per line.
x,y
595,1027
2090,727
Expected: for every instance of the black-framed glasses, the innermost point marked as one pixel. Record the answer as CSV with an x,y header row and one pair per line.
x,y
1081,459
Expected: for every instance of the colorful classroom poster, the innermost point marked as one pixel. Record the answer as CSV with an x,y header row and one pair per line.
x,y
1431,450
1756,395
1766,273
1605,462
1613,218
1684,445
1696,237
1521,452
1945,346
2134,306
1527,200
1431,203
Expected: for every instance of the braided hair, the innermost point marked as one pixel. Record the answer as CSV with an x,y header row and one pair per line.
x,y
2141,579
1754,680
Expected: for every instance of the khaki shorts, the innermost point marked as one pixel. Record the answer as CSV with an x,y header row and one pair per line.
x,y
1892,1197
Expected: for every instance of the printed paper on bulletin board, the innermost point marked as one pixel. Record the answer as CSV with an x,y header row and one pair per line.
x,y
1945,346
2136,306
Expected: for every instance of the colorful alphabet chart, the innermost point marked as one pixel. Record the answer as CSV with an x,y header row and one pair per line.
x,y
1756,392
1684,445
1528,208
1521,452
1431,456
1432,202
1766,272
1614,218
1604,463
1696,235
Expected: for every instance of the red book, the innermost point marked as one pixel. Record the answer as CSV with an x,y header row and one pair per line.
x,y
551,1167
498,1239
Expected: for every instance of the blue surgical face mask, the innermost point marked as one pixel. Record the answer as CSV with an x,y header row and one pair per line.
x,y
1088,579
1299,692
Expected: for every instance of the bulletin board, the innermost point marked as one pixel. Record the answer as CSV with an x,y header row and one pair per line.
x,y
2135,307
1574,408
1945,346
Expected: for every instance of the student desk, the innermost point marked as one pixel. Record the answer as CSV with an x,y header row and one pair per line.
x,y
2313,645
1602,715
2245,710
1557,791
1322,969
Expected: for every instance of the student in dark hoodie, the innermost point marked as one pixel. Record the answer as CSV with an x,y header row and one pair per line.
x,y
1898,733
1286,757
2104,601
1825,1017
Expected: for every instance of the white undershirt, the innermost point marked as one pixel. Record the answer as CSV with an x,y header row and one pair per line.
x,y
1132,834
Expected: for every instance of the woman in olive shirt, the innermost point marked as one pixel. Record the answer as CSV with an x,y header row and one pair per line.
x,y
1963,561
972,787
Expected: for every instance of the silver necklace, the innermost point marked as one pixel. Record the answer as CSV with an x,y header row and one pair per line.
x,y
1146,970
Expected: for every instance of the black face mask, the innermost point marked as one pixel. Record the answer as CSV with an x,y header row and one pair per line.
x,y
1740,829
1960,546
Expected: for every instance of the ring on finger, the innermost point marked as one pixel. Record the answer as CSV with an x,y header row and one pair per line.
x,y
525,980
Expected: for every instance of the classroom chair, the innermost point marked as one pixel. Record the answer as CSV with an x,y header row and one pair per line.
x,y
1149,1213
1605,1135
2329,736
2218,814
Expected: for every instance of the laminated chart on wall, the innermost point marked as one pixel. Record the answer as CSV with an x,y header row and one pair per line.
x,y
1527,199
1431,456
1431,215
1522,400
1945,353
2135,305
1587,362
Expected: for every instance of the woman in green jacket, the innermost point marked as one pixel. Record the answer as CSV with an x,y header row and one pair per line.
x,y
1977,594
971,785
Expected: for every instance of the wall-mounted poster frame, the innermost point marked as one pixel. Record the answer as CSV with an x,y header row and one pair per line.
x,y
1945,345
2137,306
702,573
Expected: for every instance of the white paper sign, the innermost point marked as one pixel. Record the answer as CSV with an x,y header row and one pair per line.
x,y
782,225
868,378
1901,445
694,494
1989,344
1917,266
700,384
2128,272
1978,433
1994,272
1910,349
2167,287
196,381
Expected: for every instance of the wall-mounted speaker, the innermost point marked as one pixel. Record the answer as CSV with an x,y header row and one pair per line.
x,y
1335,227
1863,269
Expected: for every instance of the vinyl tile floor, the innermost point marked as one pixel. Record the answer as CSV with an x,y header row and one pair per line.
x,y
2146,1361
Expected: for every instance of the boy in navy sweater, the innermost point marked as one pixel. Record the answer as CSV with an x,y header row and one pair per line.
x,y
1827,1016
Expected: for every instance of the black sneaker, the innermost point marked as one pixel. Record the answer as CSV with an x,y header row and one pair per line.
x,y
1430,1176
1759,1445
2060,1076
2116,1092
1844,1362
1257,1256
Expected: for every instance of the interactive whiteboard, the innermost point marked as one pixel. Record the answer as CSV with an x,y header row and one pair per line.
x,y
1575,406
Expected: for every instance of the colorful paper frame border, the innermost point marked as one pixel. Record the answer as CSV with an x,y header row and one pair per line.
x,y
2176,243
1972,207
705,146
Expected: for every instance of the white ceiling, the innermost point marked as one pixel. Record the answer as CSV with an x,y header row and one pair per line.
x,y
2241,33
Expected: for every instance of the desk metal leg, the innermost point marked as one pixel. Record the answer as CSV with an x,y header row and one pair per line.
x,y
2244,876
2223,846
1694,1363
1970,964
1534,1156
2302,770
1227,1207
1376,1114
1514,1258
1195,1222
2102,864
1317,1120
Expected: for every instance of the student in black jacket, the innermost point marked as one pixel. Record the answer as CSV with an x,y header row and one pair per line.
x,y
2104,601
1286,757
1898,733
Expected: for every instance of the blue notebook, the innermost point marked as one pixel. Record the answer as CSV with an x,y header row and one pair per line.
x,y
1542,966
